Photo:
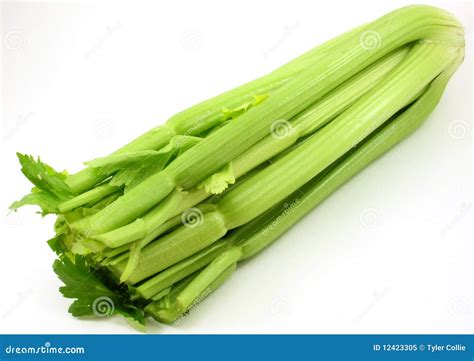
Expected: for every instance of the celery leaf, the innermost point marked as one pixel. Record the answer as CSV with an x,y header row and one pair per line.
x,y
130,169
50,187
92,296
218,182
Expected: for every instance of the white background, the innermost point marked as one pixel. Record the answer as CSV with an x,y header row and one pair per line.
x,y
390,252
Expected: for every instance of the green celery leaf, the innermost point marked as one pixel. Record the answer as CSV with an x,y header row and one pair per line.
x,y
50,187
130,169
57,245
92,296
218,182
47,202
112,163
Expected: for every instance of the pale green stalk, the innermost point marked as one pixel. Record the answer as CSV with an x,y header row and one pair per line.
x,y
92,196
255,236
180,270
308,122
395,29
283,177
205,115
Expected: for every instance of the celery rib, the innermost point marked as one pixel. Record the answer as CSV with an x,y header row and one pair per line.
x,y
258,234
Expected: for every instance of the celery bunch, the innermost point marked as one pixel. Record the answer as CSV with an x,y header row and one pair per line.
x,y
159,224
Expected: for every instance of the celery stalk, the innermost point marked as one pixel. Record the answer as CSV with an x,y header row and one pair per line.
x,y
272,184
258,234
309,121
396,29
